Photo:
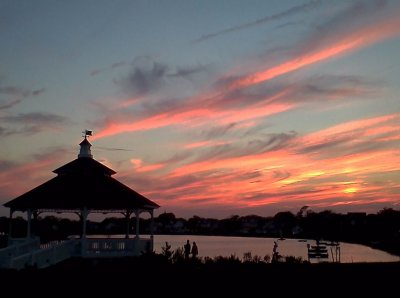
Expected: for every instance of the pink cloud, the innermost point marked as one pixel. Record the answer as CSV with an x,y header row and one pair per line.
x,y
294,64
150,168
341,44
205,144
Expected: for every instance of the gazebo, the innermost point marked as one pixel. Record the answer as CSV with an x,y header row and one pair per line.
x,y
82,186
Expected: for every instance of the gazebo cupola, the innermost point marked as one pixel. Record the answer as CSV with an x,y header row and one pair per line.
x,y
85,149
85,145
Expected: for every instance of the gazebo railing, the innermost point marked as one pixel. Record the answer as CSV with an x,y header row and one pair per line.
x,y
99,247
29,252
44,257
19,246
56,253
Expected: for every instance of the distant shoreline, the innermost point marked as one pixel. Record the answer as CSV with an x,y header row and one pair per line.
x,y
392,249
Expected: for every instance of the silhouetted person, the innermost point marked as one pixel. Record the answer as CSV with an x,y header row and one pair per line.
x,y
275,254
166,250
275,247
186,248
195,250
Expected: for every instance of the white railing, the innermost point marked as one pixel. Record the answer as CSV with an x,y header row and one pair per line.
x,y
56,253
29,252
17,247
103,247
51,244
44,257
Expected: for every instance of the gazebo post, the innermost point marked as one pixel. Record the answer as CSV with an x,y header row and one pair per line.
x,y
127,217
84,214
29,219
151,229
35,214
10,226
137,223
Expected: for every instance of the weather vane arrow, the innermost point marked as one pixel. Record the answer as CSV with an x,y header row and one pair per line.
x,y
87,132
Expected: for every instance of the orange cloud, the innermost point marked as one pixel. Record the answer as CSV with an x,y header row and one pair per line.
x,y
129,102
382,130
295,64
139,167
156,121
136,162
197,116
34,173
252,113
362,127
150,168
205,144
352,40
312,180
244,162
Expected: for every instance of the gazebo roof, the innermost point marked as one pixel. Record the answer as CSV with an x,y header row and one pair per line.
x,y
74,192
82,183
84,165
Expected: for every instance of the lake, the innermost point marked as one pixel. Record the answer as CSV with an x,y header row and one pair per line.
x,y
212,246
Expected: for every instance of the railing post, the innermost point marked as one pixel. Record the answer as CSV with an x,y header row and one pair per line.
x,y
33,259
137,223
84,214
29,218
127,217
151,230
10,226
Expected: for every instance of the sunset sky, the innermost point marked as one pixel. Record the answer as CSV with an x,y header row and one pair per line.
x,y
209,108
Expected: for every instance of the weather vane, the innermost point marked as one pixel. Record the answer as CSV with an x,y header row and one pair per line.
x,y
87,133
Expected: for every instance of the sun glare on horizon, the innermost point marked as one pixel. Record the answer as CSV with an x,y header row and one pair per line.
x,y
350,190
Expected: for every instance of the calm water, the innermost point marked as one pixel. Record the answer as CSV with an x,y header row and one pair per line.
x,y
212,246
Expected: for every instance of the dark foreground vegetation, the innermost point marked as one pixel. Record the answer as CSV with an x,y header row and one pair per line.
x,y
158,274
171,275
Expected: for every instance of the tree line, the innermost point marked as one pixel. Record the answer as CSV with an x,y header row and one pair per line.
x,y
381,229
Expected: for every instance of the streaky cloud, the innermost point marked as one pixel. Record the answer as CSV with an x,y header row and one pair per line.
x,y
207,143
339,86
349,138
144,79
290,24
16,95
13,90
9,104
224,155
189,71
34,171
115,65
35,118
287,13
218,131
5,165
328,42
33,123
38,91
20,92
113,149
